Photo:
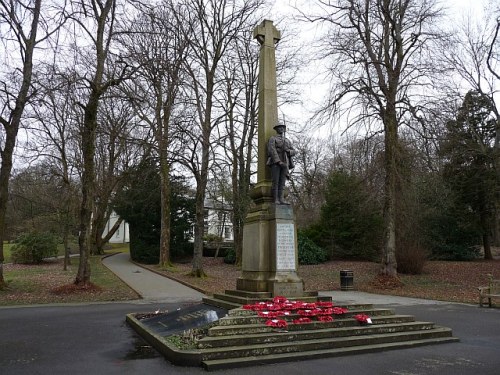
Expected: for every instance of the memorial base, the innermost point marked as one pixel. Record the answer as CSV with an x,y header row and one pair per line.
x,y
270,257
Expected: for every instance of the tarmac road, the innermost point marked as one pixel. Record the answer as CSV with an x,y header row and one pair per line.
x,y
94,339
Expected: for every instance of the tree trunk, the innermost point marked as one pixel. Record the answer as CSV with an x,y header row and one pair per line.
x,y
98,225
201,183
67,258
496,228
88,135
88,181
104,240
487,247
5,171
389,264
165,189
12,126
199,228
485,223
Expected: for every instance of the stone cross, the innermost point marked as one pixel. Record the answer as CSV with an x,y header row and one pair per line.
x,y
270,253
267,35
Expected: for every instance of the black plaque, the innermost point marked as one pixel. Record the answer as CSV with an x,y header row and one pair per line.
x,y
172,322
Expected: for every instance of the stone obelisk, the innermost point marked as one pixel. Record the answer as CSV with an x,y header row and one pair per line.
x,y
269,260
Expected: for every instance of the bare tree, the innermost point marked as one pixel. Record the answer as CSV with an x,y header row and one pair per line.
x,y
96,21
55,126
313,163
114,153
24,27
493,58
471,56
158,47
217,25
240,78
493,63
380,61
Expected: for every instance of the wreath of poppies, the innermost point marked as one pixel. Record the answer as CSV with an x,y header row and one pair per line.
x,y
280,307
363,319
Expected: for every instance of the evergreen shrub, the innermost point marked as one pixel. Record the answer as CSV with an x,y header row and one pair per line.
x,y
34,247
309,252
230,257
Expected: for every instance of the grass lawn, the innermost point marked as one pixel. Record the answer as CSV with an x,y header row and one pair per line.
x,y
115,247
49,283
6,251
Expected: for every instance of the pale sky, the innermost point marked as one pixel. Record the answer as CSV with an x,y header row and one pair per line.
x,y
311,82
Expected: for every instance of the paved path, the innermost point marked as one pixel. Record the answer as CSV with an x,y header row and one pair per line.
x,y
156,288
151,286
376,299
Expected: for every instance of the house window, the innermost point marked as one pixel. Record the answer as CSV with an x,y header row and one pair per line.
x,y
227,233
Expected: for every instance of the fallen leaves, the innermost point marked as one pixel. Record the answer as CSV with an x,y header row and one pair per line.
x,y
441,280
49,283
74,288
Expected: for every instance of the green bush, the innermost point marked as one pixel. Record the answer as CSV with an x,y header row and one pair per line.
x,y
309,252
351,225
33,247
139,203
230,257
144,246
450,228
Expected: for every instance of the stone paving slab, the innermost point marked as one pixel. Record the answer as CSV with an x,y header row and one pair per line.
x,y
151,286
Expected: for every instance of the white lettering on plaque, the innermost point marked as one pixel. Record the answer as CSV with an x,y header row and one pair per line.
x,y
285,247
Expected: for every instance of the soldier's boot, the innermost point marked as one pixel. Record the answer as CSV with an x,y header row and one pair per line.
x,y
276,198
281,195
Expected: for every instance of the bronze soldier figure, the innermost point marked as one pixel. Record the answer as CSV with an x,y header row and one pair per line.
x,y
279,158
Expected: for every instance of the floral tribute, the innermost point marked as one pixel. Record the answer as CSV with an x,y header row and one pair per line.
x,y
281,307
363,319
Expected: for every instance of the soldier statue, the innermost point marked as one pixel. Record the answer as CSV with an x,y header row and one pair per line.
x,y
279,158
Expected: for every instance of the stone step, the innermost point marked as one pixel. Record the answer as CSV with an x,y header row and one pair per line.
x,y
260,327
232,319
219,364
249,299
243,293
268,296
321,344
309,334
220,303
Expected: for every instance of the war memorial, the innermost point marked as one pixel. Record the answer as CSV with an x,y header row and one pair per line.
x,y
270,317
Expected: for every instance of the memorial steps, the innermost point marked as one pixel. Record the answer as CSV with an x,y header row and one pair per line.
x,y
241,338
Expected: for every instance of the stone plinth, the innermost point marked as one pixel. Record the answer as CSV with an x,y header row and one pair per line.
x,y
270,257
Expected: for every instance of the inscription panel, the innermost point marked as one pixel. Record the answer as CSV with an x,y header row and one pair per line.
x,y
183,319
285,247
288,289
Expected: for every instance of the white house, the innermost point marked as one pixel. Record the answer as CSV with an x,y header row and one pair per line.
x,y
122,233
218,220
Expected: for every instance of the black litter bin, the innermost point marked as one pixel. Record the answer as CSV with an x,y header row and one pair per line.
x,y
346,280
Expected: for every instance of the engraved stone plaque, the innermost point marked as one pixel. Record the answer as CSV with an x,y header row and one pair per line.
x,y
294,289
285,247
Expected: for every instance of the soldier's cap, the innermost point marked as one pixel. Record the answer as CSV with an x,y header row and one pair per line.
x,y
279,126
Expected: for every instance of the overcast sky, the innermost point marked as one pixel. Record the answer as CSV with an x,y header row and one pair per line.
x,y
311,82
